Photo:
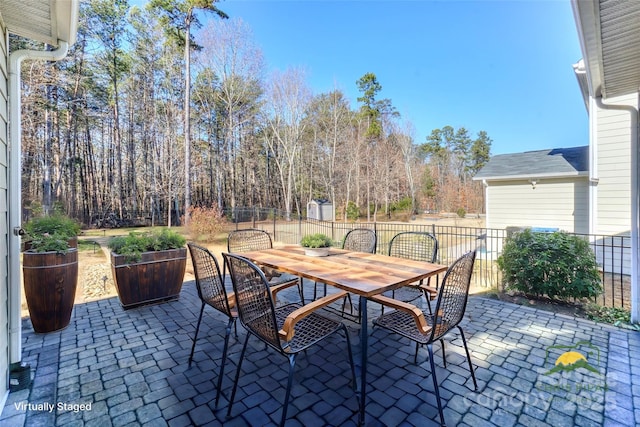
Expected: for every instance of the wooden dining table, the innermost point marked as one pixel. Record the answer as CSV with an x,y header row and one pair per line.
x,y
362,274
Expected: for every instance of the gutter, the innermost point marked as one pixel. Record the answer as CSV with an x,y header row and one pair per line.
x,y
527,176
635,203
15,186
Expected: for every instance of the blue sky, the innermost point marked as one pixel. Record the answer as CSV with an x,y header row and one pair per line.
x,y
500,66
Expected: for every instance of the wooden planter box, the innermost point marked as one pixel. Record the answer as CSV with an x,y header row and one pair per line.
x,y
50,281
156,278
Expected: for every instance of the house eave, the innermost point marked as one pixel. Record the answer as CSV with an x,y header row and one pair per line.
x,y
607,31
583,174
46,21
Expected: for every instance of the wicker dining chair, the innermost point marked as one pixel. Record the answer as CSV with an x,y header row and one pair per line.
x,y
356,240
424,329
211,292
288,329
253,239
360,240
416,246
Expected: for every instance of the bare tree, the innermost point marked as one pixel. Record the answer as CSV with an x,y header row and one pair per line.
x,y
108,25
287,100
178,16
405,141
237,63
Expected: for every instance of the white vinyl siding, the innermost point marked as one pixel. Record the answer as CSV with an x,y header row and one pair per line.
x,y
4,216
554,203
613,210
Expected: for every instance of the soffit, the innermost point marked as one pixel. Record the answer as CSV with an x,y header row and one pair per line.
x,y
610,36
46,21
620,35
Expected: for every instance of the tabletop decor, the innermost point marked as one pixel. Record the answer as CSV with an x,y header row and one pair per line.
x,y
316,244
148,267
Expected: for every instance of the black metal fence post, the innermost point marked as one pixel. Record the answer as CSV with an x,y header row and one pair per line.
x,y
273,211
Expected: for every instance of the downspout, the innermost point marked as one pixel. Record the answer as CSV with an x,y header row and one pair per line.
x,y
584,83
635,204
485,187
15,186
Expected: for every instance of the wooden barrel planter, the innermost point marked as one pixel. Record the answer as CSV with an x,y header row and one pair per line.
x,y
50,281
157,277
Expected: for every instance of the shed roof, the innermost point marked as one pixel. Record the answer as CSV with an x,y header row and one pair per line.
x,y
320,201
556,162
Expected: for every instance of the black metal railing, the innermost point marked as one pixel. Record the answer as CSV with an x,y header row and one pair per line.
x,y
613,253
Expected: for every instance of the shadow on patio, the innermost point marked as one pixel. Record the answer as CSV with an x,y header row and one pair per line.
x,y
130,368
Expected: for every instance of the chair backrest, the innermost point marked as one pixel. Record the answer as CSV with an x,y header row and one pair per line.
x,y
415,245
253,299
360,240
247,240
453,295
208,279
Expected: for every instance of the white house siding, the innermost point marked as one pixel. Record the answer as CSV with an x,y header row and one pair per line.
x,y
4,217
613,136
554,203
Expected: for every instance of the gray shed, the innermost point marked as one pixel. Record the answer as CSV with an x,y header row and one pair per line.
x,y
321,210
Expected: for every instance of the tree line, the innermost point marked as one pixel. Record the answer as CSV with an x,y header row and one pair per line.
x,y
114,130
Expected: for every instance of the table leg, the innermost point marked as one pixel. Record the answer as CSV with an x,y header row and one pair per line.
x,y
364,336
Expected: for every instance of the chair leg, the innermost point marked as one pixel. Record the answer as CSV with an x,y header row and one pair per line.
x,y
315,289
353,368
466,349
427,296
232,321
238,369
301,291
287,395
195,337
224,271
415,356
435,383
344,304
393,295
444,359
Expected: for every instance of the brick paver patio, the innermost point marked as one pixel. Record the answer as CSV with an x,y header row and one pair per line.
x,y
112,367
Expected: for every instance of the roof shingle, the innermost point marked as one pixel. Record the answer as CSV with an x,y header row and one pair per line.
x,y
554,162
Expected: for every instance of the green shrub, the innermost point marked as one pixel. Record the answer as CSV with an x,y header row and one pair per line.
x,y
461,212
613,315
401,205
133,245
353,212
557,265
50,232
49,243
52,224
318,240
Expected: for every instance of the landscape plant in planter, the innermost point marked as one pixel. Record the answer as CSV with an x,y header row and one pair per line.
x,y
148,267
50,270
316,244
